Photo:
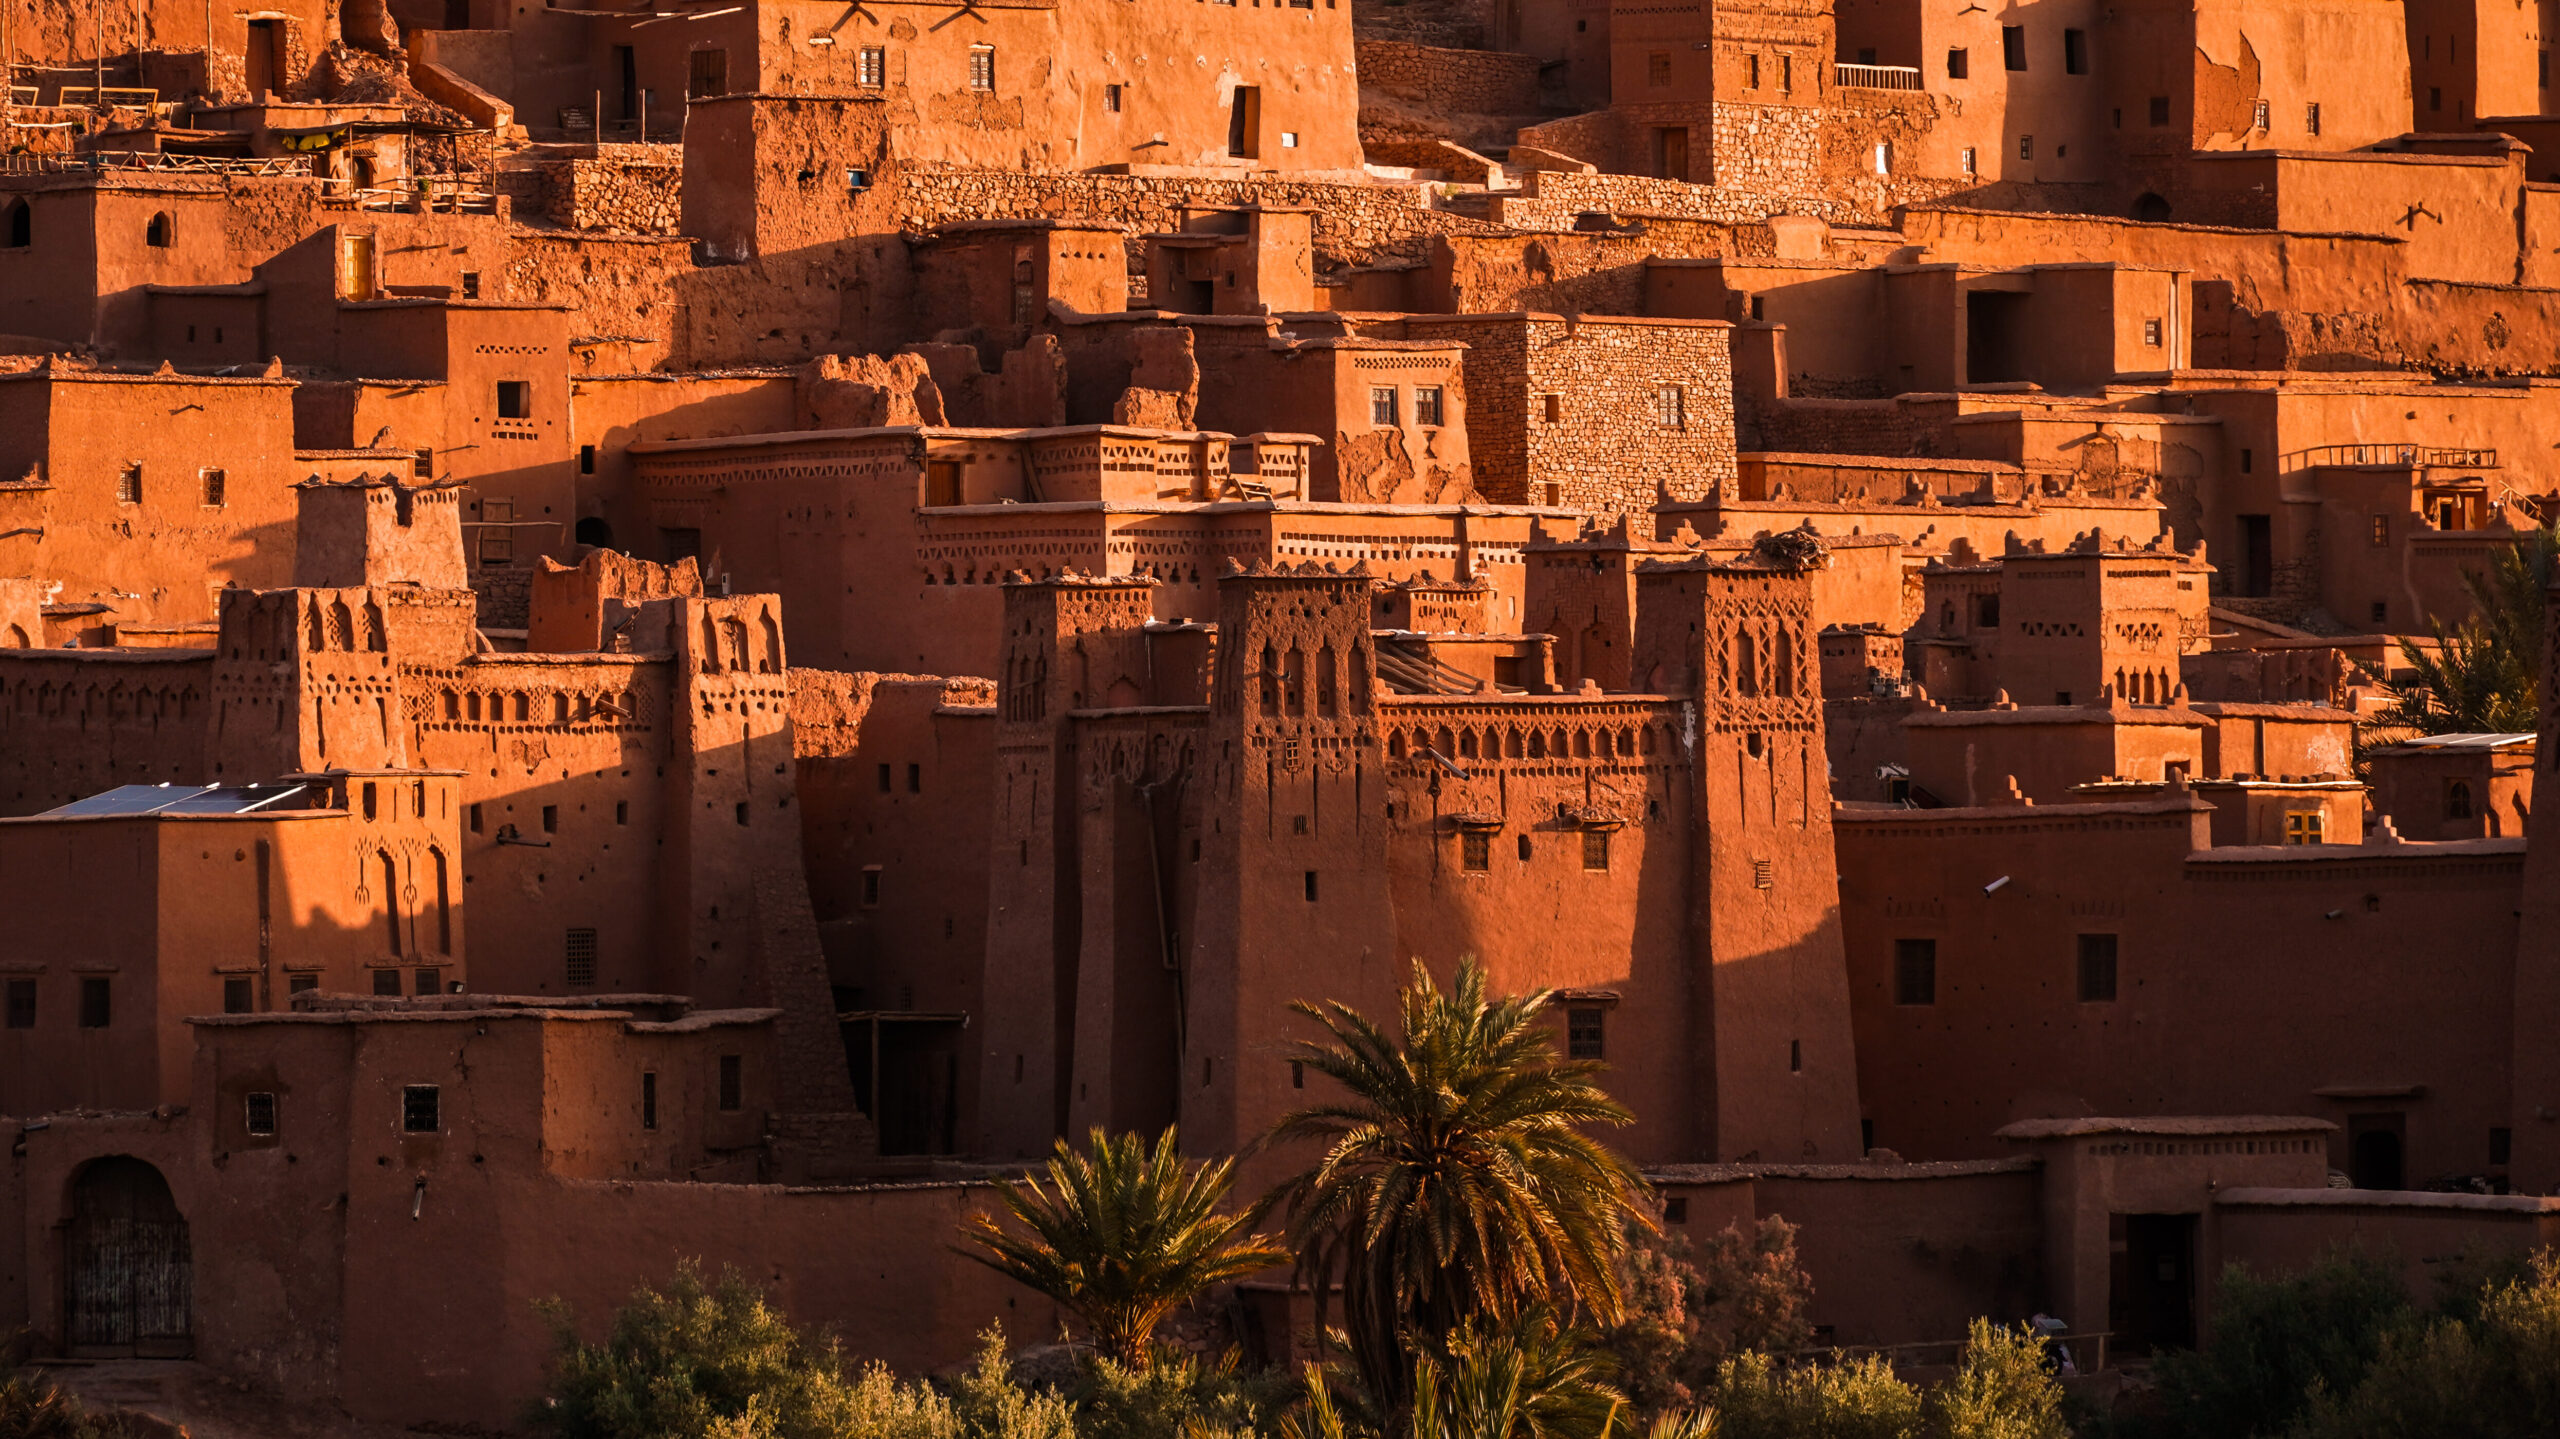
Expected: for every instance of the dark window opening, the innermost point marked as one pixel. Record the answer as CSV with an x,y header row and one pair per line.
x,y
733,1084
2097,968
258,1113
97,1001
515,399
421,1109
22,1004
1915,971
237,997
2075,52
1959,65
581,956
386,983
648,1100
2013,47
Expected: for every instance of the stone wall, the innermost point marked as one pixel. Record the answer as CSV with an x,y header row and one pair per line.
x,y
631,197
1354,224
1484,82
1574,411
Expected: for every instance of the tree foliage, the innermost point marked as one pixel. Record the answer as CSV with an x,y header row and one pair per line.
x,y
1456,1183
1690,1307
1122,1235
2492,1375
2484,674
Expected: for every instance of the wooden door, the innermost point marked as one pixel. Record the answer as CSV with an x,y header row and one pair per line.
x,y
128,1273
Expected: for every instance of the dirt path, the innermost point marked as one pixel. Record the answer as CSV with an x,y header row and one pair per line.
x,y
205,1406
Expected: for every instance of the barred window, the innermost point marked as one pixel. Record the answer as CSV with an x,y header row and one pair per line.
x,y
1382,405
129,485
982,67
421,1109
871,67
213,484
1595,849
1426,405
582,956
259,1113
1670,406
1475,850
1586,1032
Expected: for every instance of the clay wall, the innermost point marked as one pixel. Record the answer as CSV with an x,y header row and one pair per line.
x,y
1968,757
73,439
78,721
2278,1231
166,914
1466,82
2202,959
608,413
2416,787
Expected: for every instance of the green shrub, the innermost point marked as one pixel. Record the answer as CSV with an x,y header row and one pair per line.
x,y
2492,1376
2278,1340
2001,1389
1757,1398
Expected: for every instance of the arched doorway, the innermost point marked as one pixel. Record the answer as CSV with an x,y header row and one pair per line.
x,y
2150,208
128,1277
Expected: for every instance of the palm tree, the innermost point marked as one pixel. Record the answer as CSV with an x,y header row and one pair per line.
x,y
1456,1186
2485,674
1123,1235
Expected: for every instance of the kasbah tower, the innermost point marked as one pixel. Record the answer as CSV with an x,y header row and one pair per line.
x,y
691,630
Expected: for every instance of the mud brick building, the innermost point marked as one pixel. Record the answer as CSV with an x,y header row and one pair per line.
x,y
704,627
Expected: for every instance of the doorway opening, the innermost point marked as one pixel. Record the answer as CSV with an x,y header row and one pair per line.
x,y
128,1275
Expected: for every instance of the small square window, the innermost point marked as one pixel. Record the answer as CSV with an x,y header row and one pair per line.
x,y
2097,968
1595,850
1670,407
1382,405
870,886
1111,99
1586,1032
871,67
2151,333
982,67
1675,1209
2159,111
258,1112
426,981
2026,147
1915,971
129,485
2382,529
2381,613
733,1084
470,285
213,487
386,983
2304,826
1959,65
2311,119
22,1004
1426,406
97,1001
2258,115
1475,850
1967,162
301,983
581,956
237,997
1288,139
515,399
421,1109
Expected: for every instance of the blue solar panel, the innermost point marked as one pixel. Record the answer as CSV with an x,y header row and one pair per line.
x,y
135,799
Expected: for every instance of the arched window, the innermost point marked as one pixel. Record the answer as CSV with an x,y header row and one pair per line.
x,y
1746,664
21,225
2150,209
2457,800
156,234
444,904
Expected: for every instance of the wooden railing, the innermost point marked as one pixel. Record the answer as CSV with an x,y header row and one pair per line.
x,y
2408,455
1876,77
